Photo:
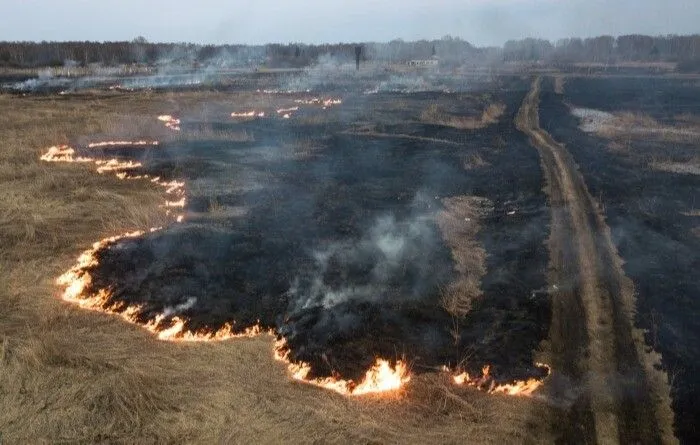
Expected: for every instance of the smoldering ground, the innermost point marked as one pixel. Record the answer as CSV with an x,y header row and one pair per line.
x,y
339,251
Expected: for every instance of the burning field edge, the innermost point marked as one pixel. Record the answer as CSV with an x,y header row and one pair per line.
x,y
384,375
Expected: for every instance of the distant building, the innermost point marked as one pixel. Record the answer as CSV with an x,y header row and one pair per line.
x,y
433,61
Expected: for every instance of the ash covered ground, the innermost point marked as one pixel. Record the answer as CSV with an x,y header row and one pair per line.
x,y
651,211
323,227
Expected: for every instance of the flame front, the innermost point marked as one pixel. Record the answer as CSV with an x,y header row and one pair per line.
x,y
325,103
286,113
121,169
170,122
380,378
122,143
77,281
63,153
287,110
486,383
247,114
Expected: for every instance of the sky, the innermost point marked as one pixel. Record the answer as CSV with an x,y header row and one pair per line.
x,y
481,22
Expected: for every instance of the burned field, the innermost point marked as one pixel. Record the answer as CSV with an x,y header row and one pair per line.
x,y
635,141
335,228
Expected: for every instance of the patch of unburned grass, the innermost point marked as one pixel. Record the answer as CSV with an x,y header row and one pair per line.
x,y
691,167
434,114
459,224
626,126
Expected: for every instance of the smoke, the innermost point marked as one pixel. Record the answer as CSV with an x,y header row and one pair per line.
x,y
326,71
169,311
46,79
389,255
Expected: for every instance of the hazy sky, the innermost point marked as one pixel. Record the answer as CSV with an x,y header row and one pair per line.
x,y
481,22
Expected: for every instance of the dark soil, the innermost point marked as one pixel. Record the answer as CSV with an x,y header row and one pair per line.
x,y
644,210
339,251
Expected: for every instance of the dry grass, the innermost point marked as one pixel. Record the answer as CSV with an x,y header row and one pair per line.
x,y
69,376
559,83
634,125
459,225
660,66
690,167
624,129
434,114
472,161
366,131
302,148
696,214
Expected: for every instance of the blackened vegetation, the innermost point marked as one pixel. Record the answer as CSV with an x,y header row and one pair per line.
x,y
662,98
339,251
649,214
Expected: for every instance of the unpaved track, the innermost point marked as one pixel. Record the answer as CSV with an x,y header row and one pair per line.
x,y
602,374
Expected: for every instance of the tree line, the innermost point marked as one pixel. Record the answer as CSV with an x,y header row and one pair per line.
x,y
139,51
607,49
602,49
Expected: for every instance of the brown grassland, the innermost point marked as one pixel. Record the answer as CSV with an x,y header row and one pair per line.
x,y
492,112
71,376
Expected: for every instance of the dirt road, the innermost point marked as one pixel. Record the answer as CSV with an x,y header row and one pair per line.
x,y
602,373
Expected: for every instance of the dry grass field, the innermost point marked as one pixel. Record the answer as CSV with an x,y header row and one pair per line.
x,y
71,376
490,115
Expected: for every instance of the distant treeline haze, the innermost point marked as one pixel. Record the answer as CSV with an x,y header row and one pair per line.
x,y
684,50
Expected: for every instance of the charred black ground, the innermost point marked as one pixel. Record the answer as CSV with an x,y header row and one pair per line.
x,y
650,215
326,232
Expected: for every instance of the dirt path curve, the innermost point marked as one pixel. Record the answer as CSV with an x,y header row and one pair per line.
x,y
604,376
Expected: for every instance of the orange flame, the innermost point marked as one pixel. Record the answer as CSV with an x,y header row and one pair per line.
x,y
120,88
179,203
78,279
486,383
177,331
381,377
121,143
114,165
64,153
326,103
286,111
248,114
170,122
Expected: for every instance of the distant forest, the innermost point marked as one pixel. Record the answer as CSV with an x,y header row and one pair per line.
x,y
683,50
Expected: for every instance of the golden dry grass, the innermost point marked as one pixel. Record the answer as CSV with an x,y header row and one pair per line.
x,y
625,126
434,114
688,167
459,224
70,376
559,83
473,160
